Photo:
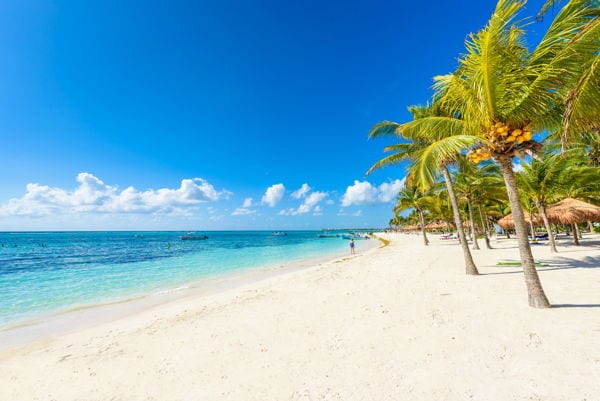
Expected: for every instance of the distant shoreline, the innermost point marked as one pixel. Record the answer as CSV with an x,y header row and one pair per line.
x,y
79,317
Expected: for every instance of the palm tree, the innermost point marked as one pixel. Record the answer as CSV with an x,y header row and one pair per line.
x,y
462,185
502,93
439,206
580,89
540,181
410,197
474,184
418,150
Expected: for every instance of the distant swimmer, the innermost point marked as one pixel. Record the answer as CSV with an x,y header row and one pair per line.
x,y
168,245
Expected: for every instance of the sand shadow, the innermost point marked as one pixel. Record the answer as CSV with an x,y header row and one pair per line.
x,y
575,305
557,263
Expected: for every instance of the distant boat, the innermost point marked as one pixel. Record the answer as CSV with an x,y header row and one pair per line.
x,y
329,235
355,236
193,237
279,233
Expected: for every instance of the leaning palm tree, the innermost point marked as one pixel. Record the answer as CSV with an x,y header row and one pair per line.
x,y
502,93
419,150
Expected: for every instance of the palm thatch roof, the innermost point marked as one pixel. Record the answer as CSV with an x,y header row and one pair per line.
x,y
508,221
436,226
411,228
571,211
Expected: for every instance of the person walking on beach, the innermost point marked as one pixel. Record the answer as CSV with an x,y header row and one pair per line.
x,y
352,252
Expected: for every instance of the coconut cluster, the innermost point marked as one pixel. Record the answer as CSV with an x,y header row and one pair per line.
x,y
502,140
500,132
478,155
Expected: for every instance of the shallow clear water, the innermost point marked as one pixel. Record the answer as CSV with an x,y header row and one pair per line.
x,y
45,272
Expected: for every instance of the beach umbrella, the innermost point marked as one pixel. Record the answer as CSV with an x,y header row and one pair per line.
x,y
435,226
508,222
411,228
572,211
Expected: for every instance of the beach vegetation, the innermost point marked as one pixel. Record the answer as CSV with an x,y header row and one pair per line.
x,y
504,98
421,153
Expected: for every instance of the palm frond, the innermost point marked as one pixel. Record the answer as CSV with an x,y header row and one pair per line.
x,y
383,128
432,128
426,166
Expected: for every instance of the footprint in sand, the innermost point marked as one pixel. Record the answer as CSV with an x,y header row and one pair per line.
x,y
534,341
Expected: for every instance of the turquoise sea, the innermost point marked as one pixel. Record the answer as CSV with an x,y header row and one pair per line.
x,y
47,272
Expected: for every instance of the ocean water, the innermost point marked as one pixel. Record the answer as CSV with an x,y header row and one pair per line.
x,y
46,272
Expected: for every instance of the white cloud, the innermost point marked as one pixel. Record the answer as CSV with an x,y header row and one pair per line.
x,y
242,211
273,195
318,211
217,218
304,189
361,193
93,195
245,209
357,213
364,193
286,212
389,190
310,202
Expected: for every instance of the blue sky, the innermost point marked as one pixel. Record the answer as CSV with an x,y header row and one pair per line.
x,y
212,114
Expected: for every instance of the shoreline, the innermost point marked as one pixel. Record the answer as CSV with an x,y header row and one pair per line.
x,y
401,321
80,317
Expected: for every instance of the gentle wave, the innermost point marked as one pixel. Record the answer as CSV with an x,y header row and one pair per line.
x,y
46,272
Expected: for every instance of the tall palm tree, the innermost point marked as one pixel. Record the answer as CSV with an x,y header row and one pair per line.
x,y
417,150
502,93
580,88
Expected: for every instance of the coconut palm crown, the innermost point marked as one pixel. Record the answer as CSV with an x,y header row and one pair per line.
x,y
502,93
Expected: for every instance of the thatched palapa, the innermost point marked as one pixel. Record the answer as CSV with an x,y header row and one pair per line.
x,y
572,211
508,221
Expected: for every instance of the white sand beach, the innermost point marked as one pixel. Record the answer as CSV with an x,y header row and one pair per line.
x,y
402,322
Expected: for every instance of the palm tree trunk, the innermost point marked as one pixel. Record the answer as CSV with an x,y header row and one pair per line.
x,y
590,226
535,292
575,234
551,241
532,228
485,229
469,263
448,225
422,220
472,223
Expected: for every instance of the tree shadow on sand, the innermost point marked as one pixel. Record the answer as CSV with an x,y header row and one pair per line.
x,y
562,263
575,305
558,263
